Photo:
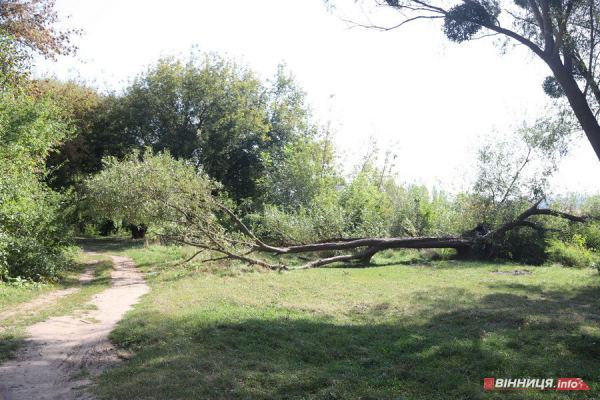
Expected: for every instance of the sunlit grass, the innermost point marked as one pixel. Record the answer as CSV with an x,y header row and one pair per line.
x,y
403,327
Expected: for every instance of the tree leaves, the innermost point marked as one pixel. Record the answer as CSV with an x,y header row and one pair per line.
x,y
463,21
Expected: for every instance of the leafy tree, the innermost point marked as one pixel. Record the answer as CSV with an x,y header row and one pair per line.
x,y
15,63
514,171
90,117
304,170
26,29
565,34
216,113
30,24
33,238
148,188
33,231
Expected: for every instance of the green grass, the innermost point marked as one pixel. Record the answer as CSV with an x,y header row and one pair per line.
x,y
392,330
12,327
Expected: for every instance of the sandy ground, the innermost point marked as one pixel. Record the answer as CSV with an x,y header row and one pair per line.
x,y
64,353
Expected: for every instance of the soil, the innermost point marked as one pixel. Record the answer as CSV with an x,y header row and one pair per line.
x,y
52,297
64,354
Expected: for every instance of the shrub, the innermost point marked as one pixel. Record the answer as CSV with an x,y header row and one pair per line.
x,y
571,254
29,258
591,234
33,233
526,246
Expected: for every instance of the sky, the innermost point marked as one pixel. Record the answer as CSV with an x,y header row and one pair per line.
x,y
431,102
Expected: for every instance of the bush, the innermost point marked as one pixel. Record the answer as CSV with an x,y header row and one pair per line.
x,y
526,246
571,254
33,232
29,258
591,234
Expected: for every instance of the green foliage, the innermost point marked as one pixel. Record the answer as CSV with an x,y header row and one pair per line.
x,y
523,245
310,201
416,212
304,170
151,189
15,63
33,238
513,173
216,113
573,253
552,88
87,113
591,234
365,206
29,130
463,21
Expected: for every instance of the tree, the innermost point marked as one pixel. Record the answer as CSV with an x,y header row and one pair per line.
x,y
304,170
26,29
215,113
181,204
15,63
565,34
30,24
89,114
33,238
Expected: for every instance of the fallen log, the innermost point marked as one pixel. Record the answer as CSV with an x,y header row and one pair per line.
x,y
362,249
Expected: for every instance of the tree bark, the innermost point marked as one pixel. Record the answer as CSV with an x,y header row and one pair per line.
x,y
578,102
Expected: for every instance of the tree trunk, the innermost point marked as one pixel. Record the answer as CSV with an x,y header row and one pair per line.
x,y
469,244
578,102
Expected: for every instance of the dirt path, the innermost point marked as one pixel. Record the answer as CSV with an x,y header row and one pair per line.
x,y
47,299
64,353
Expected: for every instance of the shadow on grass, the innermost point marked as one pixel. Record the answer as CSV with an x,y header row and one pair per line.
x,y
442,352
428,262
10,340
108,244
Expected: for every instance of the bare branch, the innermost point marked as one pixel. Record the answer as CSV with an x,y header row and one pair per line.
x,y
384,29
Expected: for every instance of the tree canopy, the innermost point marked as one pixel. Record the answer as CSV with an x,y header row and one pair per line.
x,y
31,24
216,113
27,28
565,34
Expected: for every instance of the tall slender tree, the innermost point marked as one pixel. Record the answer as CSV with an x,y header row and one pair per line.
x,y
565,34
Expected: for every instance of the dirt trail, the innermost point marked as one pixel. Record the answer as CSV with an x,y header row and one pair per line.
x,y
65,353
46,299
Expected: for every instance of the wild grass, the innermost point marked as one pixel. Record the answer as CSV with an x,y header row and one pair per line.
x,y
402,327
16,317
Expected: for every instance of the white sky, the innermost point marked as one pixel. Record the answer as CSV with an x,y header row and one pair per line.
x,y
417,93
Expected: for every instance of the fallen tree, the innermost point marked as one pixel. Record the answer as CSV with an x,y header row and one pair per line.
x,y
359,249
183,206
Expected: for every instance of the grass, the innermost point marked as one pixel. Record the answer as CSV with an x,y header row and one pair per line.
x,y
399,328
12,327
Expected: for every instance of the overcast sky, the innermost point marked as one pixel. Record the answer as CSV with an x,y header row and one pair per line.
x,y
427,99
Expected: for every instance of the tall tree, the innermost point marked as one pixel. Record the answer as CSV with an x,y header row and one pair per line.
x,y
32,228
565,34
89,115
216,113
